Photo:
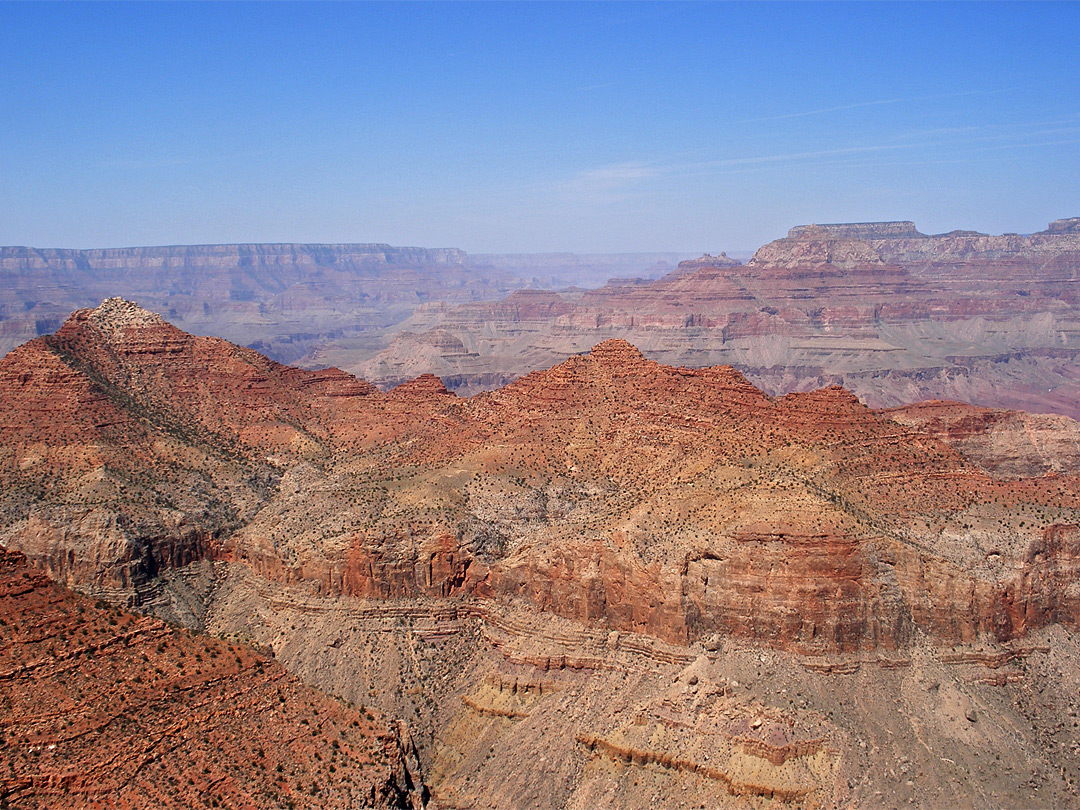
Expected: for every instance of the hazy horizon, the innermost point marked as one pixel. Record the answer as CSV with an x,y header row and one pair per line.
x,y
524,128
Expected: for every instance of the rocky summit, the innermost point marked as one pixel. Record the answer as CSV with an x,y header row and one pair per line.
x,y
612,582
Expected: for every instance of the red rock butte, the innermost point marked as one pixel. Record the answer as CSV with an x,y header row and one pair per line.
x,y
570,571
700,504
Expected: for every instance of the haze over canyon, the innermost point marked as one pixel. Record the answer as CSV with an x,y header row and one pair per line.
x,y
539,406
890,313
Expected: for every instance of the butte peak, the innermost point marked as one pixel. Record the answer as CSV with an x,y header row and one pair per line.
x,y
425,384
858,230
706,260
1070,225
617,352
114,315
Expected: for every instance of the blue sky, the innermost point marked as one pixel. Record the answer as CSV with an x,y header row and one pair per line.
x,y
524,128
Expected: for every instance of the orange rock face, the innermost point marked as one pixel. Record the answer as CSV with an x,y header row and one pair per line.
x,y
103,708
609,489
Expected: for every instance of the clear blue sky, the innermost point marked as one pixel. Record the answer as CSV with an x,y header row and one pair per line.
x,y
518,127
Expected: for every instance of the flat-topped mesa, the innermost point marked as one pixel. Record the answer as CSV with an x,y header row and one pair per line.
x,y
188,257
1070,225
858,230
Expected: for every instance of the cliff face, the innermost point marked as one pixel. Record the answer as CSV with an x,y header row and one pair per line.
x,y
195,258
901,243
671,501
102,705
161,439
1071,225
890,313
612,581
857,230
1005,443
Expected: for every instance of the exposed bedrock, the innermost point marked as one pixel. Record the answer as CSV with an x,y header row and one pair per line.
x,y
892,314
609,489
810,594
105,708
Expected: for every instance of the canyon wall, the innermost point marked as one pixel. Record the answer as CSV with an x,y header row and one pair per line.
x,y
611,582
892,314
671,501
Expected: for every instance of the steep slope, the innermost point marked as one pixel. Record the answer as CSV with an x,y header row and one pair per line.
x,y
156,439
554,581
105,708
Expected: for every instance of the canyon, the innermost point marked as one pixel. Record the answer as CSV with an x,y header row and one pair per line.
x,y
891,314
611,582
283,299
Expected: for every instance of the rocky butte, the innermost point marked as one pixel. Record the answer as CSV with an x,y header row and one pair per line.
x,y
612,582
890,313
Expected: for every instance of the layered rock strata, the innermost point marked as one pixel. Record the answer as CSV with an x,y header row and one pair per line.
x,y
285,298
672,501
611,582
890,313
106,708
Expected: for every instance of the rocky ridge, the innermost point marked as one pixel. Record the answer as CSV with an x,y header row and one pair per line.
x,y
415,542
608,457
106,708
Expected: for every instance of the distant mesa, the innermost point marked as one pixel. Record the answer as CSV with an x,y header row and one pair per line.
x,y
236,255
888,311
706,261
1070,225
904,229
857,230
850,245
